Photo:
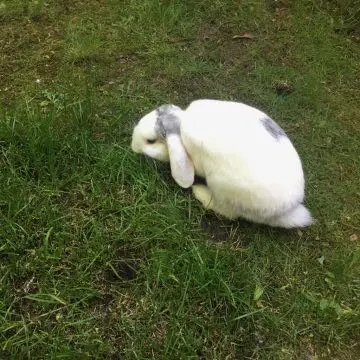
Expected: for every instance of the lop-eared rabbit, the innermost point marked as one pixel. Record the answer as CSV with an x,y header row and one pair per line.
x,y
250,166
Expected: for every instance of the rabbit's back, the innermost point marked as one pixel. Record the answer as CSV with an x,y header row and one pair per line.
x,y
240,158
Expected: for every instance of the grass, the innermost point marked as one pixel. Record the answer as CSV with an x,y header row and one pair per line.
x,y
102,256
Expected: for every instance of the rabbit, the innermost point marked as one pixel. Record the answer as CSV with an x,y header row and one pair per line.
x,y
249,165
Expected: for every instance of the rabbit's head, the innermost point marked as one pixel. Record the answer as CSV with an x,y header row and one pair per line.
x,y
157,135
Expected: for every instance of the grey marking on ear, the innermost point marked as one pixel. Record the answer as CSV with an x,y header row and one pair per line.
x,y
273,128
165,109
167,121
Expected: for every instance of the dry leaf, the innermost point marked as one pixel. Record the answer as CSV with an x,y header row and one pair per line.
x,y
260,304
28,285
99,136
243,35
354,237
283,87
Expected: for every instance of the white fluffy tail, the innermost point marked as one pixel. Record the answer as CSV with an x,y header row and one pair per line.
x,y
298,216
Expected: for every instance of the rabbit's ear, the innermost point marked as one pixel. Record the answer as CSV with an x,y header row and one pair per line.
x,y
182,168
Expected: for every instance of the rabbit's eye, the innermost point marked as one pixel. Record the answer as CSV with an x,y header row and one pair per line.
x,y
151,141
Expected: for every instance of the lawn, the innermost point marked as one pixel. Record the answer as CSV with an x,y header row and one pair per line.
x,y
102,255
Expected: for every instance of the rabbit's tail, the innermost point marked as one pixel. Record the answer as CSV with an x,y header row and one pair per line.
x,y
298,216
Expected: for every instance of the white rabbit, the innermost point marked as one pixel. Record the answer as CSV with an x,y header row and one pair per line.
x,y
251,168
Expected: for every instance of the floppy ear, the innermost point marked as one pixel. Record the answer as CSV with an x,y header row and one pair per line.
x,y
182,168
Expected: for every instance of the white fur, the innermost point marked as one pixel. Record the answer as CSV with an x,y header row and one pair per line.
x,y
146,130
249,172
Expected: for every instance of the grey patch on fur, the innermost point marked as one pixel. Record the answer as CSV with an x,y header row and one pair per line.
x,y
165,109
167,122
272,128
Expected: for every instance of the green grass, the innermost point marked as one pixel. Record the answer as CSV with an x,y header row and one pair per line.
x,y
102,256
